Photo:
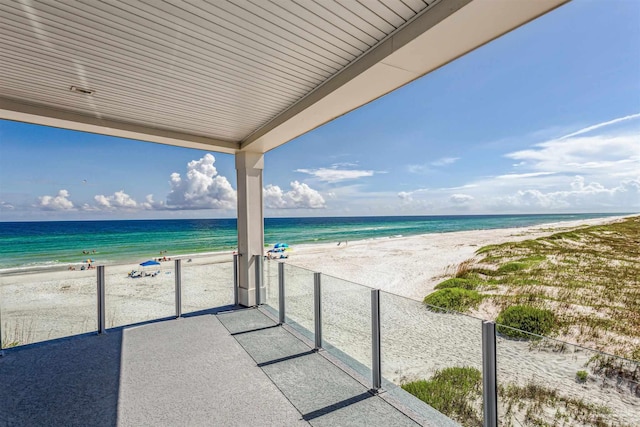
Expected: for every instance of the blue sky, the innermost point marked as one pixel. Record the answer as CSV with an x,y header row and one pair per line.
x,y
545,119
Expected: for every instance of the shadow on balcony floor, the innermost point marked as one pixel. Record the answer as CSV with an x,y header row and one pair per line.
x,y
323,393
234,368
73,381
189,371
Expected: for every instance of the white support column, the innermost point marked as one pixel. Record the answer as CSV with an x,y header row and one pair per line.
x,y
249,168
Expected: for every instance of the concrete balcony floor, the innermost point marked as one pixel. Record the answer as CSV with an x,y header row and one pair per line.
x,y
232,367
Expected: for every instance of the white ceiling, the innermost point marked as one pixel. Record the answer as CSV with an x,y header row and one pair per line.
x,y
228,75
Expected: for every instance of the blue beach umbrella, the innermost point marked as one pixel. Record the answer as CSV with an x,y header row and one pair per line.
x,y
150,262
280,245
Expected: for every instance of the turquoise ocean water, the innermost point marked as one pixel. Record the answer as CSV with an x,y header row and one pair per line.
x,y
37,245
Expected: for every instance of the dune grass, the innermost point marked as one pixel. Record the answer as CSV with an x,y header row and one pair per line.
x,y
540,405
589,278
19,333
452,391
457,393
519,319
453,299
459,282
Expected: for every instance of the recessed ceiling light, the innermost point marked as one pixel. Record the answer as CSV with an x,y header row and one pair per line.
x,y
82,90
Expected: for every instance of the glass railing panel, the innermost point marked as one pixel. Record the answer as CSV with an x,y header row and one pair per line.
x,y
435,355
346,322
42,306
270,281
207,282
299,292
542,381
136,294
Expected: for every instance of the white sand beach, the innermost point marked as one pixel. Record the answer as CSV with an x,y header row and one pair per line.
x,y
411,266
47,305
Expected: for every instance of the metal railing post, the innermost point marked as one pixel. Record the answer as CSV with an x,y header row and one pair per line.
x,y
1,351
376,366
281,293
489,374
101,304
317,310
235,280
259,273
178,267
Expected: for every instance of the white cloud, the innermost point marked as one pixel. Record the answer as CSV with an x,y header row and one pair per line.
x,y
461,199
405,196
601,125
429,167
573,194
300,196
122,201
6,206
56,203
574,150
599,153
201,188
150,204
408,196
594,168
460,187
579,195
334,174
344,165
417,202
118,200
89,208
418,168
444,161
523,175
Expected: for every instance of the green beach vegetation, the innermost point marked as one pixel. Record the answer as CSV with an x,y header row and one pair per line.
x,y
580,285
582,376
540,405
514,321
21,333
453,299
457,393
